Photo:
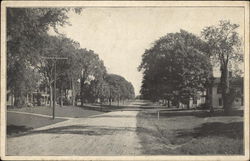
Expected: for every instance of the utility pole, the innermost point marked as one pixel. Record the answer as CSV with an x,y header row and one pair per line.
x,y
54,97
109,96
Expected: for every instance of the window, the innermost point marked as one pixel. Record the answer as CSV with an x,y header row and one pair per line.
x,y
220,102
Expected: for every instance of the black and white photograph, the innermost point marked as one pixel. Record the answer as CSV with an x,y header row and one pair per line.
x,y
116,80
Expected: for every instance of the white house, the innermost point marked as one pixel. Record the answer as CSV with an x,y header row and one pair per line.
x,y
216,96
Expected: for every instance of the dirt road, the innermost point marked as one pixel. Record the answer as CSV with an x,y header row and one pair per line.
x,y
112,133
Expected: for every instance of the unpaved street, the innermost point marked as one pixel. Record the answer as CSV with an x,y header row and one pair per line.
x,y
112,133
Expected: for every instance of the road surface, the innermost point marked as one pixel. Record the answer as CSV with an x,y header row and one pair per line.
x,y
112,133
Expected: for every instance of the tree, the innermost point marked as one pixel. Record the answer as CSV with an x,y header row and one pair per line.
x,y
176,66
225,50
119,87
92,68
26,31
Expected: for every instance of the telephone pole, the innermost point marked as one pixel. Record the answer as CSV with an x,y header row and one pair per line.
x,y
54,63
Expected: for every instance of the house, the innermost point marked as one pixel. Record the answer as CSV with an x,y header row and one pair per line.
x,y
39,97
216,95
198,100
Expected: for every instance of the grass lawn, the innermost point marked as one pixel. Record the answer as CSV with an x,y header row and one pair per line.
x,y
64,111
18,123
190,133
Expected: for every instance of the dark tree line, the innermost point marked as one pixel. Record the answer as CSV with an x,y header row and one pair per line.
x,y
119,88
28,45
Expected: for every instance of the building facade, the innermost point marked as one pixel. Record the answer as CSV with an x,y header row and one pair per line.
x,y
216,94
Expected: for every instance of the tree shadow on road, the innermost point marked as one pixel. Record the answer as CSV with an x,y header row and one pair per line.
x,y
81,130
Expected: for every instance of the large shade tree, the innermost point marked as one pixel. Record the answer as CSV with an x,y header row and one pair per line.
x,y
92,69
225,50
176,66
26,30
62,47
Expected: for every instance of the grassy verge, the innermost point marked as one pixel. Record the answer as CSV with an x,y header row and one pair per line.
x,y
64,111
18,123
190,133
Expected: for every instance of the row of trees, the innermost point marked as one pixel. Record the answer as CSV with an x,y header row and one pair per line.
x,y
28,47
179,65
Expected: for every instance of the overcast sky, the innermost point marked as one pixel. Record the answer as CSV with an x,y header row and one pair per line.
x,y
121,35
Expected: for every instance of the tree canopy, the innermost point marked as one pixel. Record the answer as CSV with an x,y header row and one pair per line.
x,y
26,30
119,87
168,67
225,50
28,45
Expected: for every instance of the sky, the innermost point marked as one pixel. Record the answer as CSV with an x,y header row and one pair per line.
x,y
120,35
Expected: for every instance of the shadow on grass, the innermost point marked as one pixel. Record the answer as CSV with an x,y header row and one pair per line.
x,y
232,130
13,129
103,108
80,130
207,138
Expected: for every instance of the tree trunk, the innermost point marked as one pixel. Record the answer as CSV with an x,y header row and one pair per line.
x,y
27,98
208,100
32,98
19,99
188,103
61,98
81,91
12,99
168,103
73,92
50,95
66,93
38,99
178,101
225,89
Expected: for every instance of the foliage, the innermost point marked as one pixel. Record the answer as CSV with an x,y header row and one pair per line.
x,y
226,51
119,87
26,29
169,69
29,45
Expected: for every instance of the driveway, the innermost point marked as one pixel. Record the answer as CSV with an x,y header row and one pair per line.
x,y
112,133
